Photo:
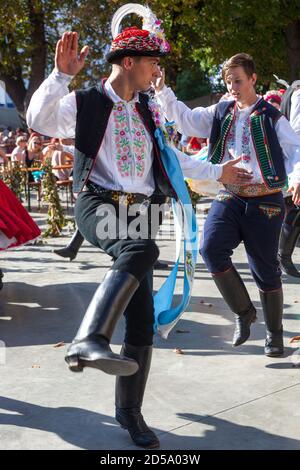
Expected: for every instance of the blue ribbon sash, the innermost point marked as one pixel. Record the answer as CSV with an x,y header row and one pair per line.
x,y
167,315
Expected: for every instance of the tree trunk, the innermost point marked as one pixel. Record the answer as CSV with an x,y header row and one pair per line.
x,y
13,80
292,36
39,52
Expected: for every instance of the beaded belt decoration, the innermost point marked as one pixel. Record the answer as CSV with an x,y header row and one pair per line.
x,y
269,211
250,190
222,196
119,197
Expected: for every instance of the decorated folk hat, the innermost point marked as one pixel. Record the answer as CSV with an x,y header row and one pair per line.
x,y
148,41
273,96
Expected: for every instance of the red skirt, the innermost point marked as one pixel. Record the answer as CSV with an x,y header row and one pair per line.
x,y
16,225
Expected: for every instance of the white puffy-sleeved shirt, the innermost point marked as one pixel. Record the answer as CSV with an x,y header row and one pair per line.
x,y
198,122
295,111
124,160
18,155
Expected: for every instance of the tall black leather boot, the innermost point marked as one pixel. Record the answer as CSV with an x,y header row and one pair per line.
x,y
272,304
1,276
288,239
237,298
129,398
72,248
90,348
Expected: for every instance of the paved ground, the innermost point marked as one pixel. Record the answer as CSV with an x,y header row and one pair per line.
x,y
210,397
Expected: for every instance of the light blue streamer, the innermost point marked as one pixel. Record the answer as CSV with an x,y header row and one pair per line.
x,y
166,315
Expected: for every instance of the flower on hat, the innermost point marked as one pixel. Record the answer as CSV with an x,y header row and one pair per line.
x,y
148,41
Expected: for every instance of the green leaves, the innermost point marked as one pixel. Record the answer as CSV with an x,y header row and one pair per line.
x,y
202,33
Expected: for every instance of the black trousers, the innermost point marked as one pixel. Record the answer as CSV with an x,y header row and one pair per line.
x,y
135,256
257,222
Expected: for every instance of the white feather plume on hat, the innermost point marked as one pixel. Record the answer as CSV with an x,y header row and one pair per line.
x,y
150,21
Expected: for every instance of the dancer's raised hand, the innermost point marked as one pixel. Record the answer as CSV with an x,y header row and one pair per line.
x,y
67,59
160,81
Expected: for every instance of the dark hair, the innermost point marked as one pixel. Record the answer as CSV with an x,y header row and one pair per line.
x,y
118,60
239,60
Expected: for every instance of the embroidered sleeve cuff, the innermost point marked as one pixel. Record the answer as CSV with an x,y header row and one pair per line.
x,y
218,170
165,95
60,76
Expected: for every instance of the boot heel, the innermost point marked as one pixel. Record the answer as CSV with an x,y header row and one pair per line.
x,y
74,363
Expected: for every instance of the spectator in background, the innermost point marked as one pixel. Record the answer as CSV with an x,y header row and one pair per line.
x,y
10,142
3,157
19,152
184,142
33,153
274,97
60,152
290,231
20,132
195,145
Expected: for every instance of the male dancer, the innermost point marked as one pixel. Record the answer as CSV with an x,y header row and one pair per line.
x,y
116,159
290,230
253,129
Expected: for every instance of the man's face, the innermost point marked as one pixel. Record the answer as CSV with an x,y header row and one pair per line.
x,y
144,71
239,84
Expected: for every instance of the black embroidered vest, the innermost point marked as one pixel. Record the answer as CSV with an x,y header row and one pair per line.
x,y
267,148
93,111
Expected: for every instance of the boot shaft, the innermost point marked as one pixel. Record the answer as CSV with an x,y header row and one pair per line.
x,y
272,305
288,238
107,305
130,390
233,291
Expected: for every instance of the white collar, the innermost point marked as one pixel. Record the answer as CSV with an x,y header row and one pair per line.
x,y
249,108
116,98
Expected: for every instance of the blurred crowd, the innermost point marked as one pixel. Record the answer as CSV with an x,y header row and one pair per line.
x,y
28,148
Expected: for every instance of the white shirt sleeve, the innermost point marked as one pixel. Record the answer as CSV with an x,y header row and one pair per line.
x,y
192,122
52,109
295,111
193,167
14,155
290,144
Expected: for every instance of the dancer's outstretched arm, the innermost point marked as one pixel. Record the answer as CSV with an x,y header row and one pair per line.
x,y
52,109
228,172
195,122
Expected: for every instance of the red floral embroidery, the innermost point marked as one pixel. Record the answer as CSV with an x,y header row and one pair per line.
x,y
130,141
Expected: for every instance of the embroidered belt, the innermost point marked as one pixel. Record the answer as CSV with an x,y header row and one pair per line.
x,y
250,190
119,197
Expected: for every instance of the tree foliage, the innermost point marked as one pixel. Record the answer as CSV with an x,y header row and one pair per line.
x,y
202,33
192,83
